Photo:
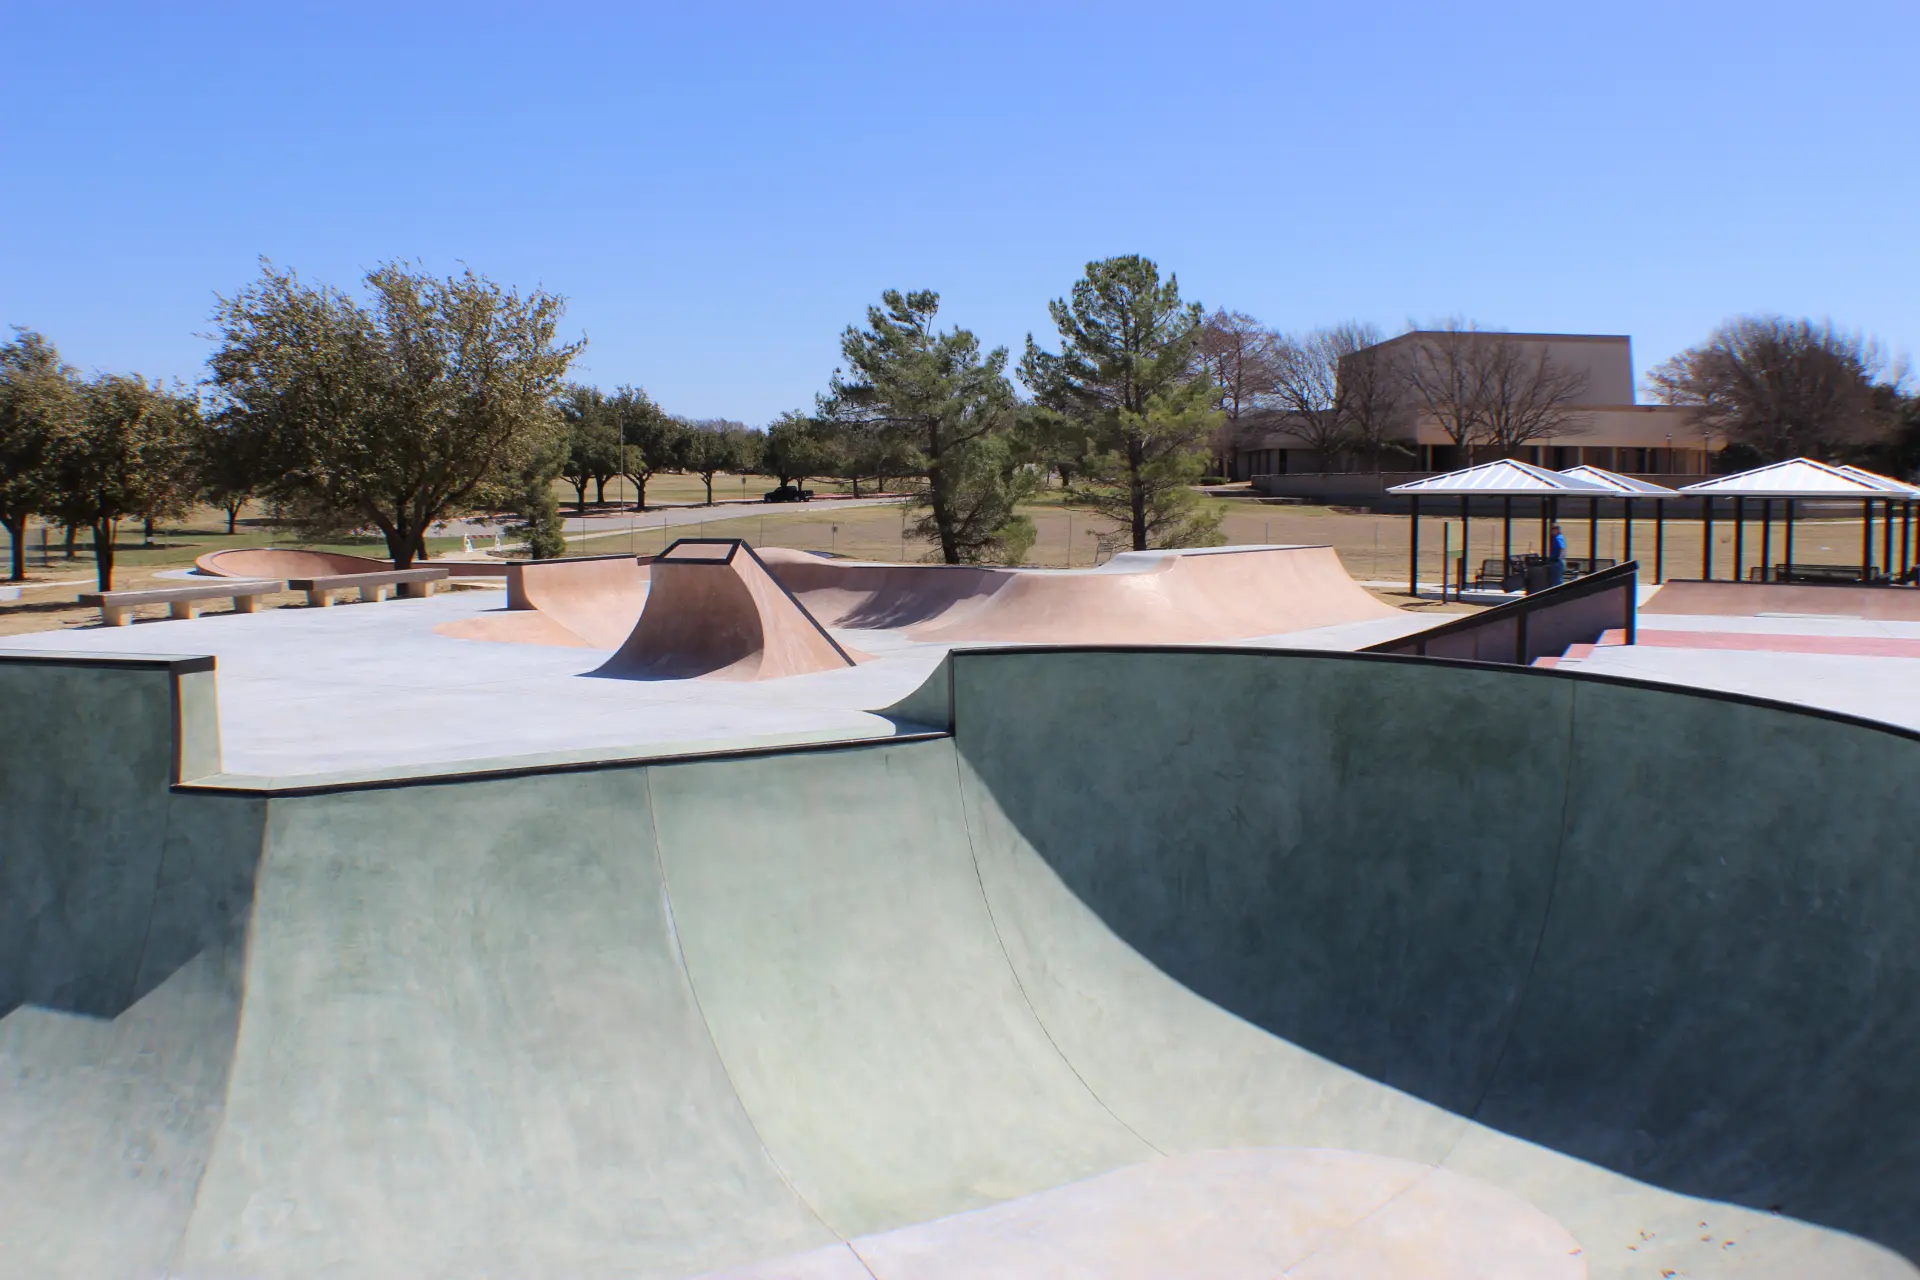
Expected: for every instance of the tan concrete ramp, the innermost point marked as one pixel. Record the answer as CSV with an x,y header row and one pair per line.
x,y
1197,596
713,610
582,602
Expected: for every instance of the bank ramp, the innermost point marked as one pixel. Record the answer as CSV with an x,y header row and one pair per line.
x,y
1137,963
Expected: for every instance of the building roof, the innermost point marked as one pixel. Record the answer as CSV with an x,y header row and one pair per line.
x,y
1504,478
1803,478
1625,486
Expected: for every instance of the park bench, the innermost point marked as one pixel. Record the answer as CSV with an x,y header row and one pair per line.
x,y
116,607
1852,573
413,584
1578,567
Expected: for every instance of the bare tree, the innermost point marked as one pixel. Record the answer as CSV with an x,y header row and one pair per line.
x,y
1238,354
1486,388
1307,388
1785,387
1525,395
1442,378
1378,408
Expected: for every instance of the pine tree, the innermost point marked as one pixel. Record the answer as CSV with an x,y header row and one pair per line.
x,y
1125,380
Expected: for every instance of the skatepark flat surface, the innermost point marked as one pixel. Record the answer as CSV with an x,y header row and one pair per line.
x,y
1210,963
371,687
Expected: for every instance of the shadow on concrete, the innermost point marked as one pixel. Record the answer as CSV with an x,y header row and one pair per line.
x,y
1674,935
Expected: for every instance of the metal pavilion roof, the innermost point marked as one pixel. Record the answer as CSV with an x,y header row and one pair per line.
x,y
1624,486
1802,478
1504,478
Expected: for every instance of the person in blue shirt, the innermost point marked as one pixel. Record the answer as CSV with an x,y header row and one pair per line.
x,y
1556,558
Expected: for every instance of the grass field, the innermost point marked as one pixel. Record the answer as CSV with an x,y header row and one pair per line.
x,y
1372,547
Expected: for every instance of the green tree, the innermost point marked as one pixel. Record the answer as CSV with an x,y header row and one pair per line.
x,y
1125,376
950,412
39,404
536,512
797,447
228,467
397,413
649,441
593,442
133,444
713,446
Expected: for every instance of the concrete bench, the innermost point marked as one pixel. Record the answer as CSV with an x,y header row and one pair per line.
x,y
413,584
116,607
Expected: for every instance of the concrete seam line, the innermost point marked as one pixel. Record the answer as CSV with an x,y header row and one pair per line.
x,y
966,819
693,990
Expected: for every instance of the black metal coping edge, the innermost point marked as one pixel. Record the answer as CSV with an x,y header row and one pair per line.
x,y
180,665
1505,668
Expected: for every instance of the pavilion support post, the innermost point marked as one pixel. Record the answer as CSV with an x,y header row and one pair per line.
x,y
1886,540
1739,539
1506,529
1626,528
1446,557
1907,538
1866,541
1659,541
1413,549
1766,539
1460,579
1706,537
1786,552
1593,533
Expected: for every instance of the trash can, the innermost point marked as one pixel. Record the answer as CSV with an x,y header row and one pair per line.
x,y
1537,573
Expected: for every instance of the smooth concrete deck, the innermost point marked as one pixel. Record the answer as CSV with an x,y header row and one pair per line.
x,y
1883,686
1201,963
372,687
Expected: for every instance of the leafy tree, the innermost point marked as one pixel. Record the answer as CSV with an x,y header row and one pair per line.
x,y
950,410
1125,374
133,445
397,413
536,513
593,442
228,466
797,447
649,441
39,404
713,446
1786,388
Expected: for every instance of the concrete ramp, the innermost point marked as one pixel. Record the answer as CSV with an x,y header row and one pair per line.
x,y
1197,596
713,610
583,602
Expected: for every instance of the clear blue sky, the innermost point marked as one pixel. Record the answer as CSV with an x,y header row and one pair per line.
x,y
720,193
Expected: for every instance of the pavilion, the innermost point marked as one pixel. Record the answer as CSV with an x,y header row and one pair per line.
x,y
1800,480
1506,479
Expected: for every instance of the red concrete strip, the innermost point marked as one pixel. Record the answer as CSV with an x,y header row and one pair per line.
x,y
1617,636
1849,646
1546,662
1575,652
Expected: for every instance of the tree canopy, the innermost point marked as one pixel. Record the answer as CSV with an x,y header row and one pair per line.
x,y
130,455
39,405
396,412
946,411
1784,388
1125,378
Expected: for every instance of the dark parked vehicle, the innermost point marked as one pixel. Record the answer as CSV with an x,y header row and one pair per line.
x,y
788,493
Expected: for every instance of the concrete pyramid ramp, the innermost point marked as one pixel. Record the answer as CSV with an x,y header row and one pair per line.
x,y
713,610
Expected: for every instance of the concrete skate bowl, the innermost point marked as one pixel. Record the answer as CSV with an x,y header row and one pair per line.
x,y
1147,597
1156,962
286,562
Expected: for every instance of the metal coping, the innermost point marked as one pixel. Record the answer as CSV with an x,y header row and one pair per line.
x,y
671,556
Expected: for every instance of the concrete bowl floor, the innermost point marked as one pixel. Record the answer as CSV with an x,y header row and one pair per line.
x,y
362,688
